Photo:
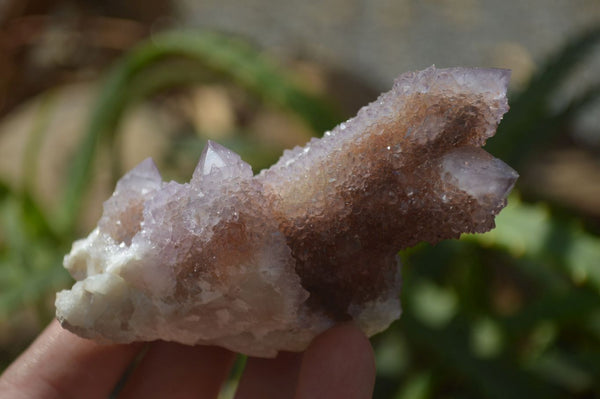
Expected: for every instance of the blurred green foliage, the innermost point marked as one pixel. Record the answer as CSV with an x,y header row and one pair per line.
x,y
511,313
533,124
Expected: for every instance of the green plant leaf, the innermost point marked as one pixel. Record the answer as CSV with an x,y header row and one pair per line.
x,y
532,231
496,378
531,123
5,190
30,287
417,386
562,308
30,263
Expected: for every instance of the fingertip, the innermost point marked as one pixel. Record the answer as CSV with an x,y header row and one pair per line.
x,y
270,378
348,342
61,364
338,363
170,369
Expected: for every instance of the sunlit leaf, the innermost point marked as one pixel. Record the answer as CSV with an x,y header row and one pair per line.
x,y
532,231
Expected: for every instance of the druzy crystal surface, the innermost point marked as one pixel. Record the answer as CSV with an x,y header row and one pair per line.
x,y
263,263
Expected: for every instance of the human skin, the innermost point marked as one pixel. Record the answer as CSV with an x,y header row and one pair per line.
x,y
338,364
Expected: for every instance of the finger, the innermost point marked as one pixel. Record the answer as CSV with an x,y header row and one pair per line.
x,y
270,378
61,365
338,364
171,370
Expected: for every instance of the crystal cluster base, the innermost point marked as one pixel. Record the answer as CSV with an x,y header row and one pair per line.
x,y
259,264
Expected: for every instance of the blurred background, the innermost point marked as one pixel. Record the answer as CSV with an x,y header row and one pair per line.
x,y
89,88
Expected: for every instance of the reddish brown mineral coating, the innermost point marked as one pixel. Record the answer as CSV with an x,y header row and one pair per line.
x,y
264,263
391,201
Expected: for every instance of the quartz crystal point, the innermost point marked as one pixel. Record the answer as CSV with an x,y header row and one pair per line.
x,y
263,263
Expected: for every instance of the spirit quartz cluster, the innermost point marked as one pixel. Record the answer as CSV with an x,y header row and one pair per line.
x,y
263,263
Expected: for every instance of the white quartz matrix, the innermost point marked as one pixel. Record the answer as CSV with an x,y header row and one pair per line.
x,y
263,263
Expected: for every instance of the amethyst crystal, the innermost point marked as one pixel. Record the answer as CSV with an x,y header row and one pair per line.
x,y
263,263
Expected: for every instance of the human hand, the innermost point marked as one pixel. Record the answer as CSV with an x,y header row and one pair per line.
x,y
338,364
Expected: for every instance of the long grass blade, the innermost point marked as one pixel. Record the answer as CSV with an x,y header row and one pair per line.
x,y
531,122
